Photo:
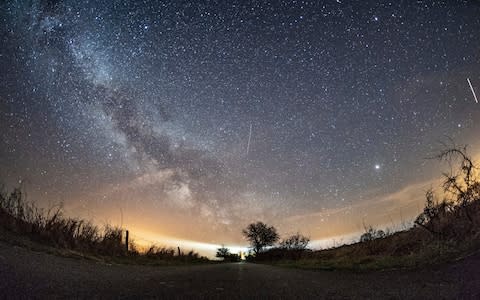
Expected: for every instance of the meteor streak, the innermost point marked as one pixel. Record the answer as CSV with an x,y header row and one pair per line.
x,y
473,91
249,138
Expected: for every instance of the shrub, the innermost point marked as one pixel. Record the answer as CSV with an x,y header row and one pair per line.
x,y
295,242
372,234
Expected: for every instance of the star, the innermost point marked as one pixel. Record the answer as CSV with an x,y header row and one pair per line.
x,y
156,106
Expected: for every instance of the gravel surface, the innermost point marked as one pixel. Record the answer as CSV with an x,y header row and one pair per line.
x,y
30,274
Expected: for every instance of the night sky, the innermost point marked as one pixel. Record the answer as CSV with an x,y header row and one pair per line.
x,y
145,108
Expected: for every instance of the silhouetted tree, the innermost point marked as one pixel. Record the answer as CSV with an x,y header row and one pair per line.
x,y
260,235
223,252
464,185
462,189
295,242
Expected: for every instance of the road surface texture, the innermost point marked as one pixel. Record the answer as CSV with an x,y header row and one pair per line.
x,y
30,274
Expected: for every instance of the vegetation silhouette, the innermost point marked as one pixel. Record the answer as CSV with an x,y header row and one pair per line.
x,y
260,235
226,255
457,214
445,230
295,242
52,228
372,234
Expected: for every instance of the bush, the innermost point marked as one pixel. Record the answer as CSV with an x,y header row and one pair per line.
x,y
372,234
457,216
295,242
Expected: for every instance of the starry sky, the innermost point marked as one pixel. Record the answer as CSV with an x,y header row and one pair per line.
x,y
190,119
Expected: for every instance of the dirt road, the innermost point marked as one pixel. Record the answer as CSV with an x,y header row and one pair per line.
x,y
26,274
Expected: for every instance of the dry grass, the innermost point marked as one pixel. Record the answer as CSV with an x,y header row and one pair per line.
x,y
446,230
415,247
401,250
53,228
20,218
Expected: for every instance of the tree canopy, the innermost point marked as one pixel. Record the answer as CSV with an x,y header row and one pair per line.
x,y
223,252
260,235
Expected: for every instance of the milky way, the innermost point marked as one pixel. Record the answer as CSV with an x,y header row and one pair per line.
x,y
195,119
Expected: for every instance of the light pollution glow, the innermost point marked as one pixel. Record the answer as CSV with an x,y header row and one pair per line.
x,y
327,228
194,120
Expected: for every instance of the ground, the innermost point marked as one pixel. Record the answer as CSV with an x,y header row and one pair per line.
x,y
25,274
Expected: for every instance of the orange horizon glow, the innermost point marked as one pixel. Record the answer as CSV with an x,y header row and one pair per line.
x,y
326,228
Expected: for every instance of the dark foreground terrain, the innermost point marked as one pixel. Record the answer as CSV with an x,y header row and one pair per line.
x,y
26,274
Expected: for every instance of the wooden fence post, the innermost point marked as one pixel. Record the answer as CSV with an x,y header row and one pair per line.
x,y
126,240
